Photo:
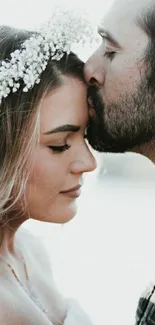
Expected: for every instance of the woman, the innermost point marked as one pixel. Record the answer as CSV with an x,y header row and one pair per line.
x,y
43,118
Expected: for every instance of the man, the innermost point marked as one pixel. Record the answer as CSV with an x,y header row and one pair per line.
x,y
124,69
121,74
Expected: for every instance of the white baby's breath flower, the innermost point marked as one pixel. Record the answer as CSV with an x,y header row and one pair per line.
x,y
56,37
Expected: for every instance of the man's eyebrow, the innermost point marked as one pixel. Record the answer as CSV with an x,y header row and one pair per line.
x,y
64,128
108,36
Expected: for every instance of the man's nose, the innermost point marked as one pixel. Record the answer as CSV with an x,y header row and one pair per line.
x,y
94,69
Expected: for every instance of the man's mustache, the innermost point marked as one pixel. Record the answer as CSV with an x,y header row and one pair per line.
x,y
95,102
95,132
92,95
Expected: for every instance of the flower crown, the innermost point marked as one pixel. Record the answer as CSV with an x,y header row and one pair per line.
x,y
50,42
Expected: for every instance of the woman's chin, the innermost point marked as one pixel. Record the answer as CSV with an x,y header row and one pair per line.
x,y
66,215
61,214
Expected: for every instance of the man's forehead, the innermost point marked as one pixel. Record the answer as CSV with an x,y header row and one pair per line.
x,y
127,9
120,22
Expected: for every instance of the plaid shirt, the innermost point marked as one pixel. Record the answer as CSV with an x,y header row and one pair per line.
x,y
145,314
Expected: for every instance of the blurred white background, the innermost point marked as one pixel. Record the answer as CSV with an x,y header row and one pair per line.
x,y
105,256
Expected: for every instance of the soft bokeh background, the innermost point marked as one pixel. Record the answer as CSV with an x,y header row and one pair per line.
x,y
105,256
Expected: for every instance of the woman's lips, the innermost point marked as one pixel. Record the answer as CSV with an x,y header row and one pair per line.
x,y
73,192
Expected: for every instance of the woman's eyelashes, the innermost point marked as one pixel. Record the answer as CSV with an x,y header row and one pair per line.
x,y
59,149
62,148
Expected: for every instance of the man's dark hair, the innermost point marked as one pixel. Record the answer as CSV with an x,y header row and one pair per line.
x,y
147,22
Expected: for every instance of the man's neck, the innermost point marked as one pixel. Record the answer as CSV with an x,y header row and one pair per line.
x,y
147,149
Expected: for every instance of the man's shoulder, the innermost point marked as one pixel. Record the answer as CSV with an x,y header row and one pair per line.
x,y
145,313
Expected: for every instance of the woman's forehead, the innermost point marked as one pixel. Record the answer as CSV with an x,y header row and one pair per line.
x,y
65,105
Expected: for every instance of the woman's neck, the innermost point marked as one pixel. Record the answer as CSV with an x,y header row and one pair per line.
x,y
7,237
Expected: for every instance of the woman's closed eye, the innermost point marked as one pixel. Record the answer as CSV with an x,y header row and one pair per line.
x,y
59,149
62,148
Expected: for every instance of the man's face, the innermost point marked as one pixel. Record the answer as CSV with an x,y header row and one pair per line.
x,y
122,100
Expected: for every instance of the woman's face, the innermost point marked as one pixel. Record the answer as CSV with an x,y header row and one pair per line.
x,y
62,155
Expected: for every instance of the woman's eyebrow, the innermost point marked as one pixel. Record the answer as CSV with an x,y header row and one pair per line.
x,y
64,128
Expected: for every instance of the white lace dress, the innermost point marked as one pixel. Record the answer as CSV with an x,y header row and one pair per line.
x,y
76,315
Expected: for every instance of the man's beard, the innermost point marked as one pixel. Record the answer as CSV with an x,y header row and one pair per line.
x,y
121,126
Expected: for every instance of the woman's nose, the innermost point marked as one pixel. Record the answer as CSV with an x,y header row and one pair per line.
x,y
87,163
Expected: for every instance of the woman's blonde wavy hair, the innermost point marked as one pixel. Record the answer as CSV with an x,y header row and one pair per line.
x,y
19,122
